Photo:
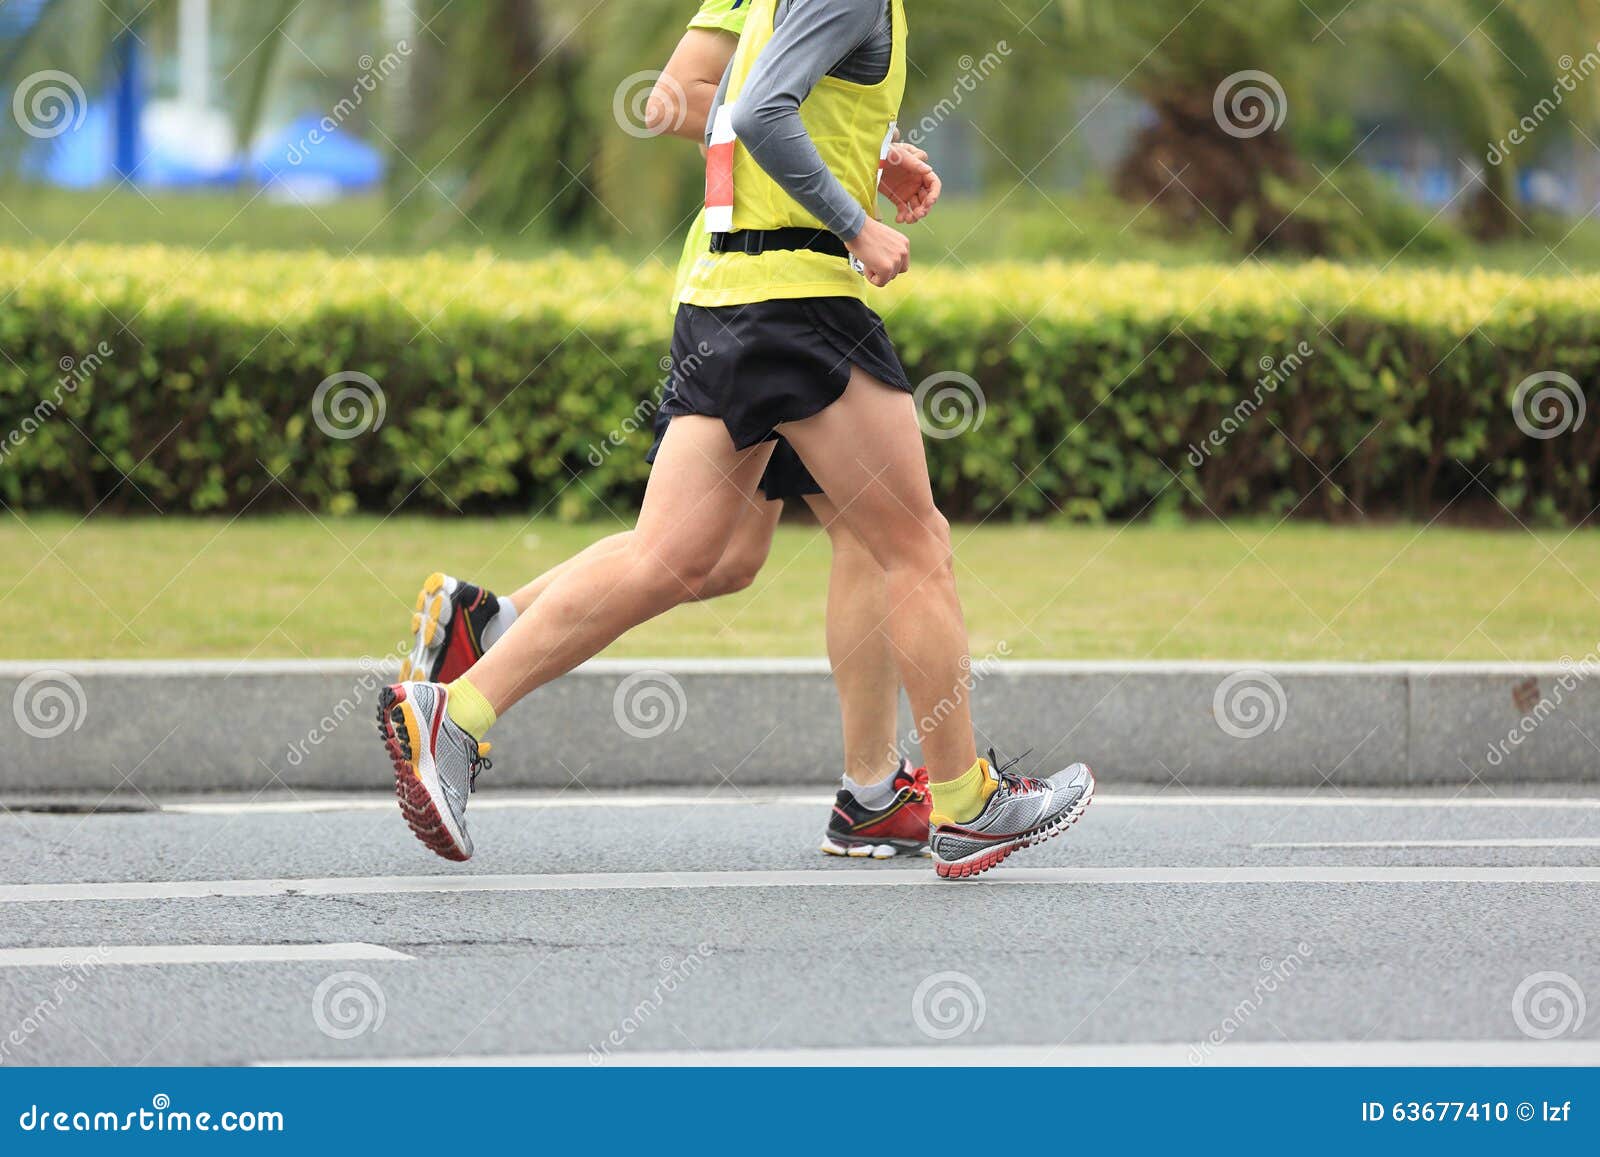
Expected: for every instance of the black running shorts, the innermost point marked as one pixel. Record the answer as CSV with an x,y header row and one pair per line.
x,y
785,476
757,366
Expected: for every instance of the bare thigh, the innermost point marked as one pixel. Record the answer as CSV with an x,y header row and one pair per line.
x,y
866,450
701,493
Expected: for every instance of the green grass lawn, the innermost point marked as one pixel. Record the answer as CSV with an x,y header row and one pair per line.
x,y
293,587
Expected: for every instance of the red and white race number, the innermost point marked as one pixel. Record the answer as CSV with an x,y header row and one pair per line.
x,y
888,143
719,172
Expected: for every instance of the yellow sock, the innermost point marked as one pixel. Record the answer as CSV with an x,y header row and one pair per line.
x,y
959,800
468,709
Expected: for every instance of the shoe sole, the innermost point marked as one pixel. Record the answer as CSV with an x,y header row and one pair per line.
x,y
430,621
422,814
981,862
868,850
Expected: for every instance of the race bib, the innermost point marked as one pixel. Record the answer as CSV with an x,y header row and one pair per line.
x,y
888,143
719,172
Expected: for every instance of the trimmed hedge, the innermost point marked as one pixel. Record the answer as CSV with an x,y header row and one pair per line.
x,y
1108,390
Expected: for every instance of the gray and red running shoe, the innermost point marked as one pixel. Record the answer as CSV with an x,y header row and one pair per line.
x,y
1021,811
436,764
900,827
450,629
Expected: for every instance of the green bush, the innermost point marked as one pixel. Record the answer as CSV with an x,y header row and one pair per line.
x,y
1108,390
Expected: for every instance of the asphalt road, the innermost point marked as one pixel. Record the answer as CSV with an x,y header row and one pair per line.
x,y
629,928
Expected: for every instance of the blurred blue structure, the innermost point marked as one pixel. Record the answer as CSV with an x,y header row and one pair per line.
x,y
17,19
309,160
79,159
89,156
127,103
182,144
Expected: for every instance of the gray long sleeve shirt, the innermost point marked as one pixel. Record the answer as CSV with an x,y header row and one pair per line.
x,y
849,39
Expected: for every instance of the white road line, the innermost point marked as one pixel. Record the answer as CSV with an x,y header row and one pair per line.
x,y
1554,842
1360,1054
819,878
1540,802
100,956
628,799
386,803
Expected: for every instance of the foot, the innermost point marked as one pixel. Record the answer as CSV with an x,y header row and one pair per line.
x,y
436,764
899,828
1019,812
448,629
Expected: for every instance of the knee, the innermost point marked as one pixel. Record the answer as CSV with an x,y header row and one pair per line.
x,y
922,544
735,571
937,531
729,577
847,547
676,575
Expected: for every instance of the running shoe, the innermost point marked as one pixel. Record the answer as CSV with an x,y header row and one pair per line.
x,y
448,629
1019,812
436,764
901,826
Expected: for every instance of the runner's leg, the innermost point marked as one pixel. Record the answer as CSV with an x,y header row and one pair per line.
x,y
736,569
859,651
699,492
866,450
524,597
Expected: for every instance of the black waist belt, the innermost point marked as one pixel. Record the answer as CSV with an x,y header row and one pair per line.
x,y
761,240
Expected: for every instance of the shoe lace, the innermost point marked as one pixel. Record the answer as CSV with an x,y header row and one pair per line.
x,y
1009,779
477,760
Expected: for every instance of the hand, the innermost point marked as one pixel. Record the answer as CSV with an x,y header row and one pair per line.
x,y
899,140
910,182
907,146
885,253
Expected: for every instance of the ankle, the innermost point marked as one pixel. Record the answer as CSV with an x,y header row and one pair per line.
x,y
875,795
958,800
468,709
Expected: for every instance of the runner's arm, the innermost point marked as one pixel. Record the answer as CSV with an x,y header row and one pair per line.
x,y
812,39
680,103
